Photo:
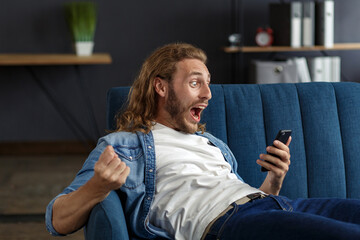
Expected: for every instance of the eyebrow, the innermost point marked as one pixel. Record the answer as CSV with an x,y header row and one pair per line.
x,y
198,74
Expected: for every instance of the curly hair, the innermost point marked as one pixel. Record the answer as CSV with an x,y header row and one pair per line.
x,y
142,99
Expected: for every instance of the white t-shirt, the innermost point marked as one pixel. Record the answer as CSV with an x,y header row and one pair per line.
x,y
194,183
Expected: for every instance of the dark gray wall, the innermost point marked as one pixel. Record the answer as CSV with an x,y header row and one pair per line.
x,y
129,31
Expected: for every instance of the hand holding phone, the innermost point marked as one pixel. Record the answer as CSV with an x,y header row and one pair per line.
x,y
282,136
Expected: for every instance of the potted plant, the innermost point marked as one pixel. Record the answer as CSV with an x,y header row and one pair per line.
x,y
81,19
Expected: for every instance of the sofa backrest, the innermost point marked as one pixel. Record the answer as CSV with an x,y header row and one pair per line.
x,y
324,118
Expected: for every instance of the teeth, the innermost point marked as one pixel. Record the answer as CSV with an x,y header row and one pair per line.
x,y
201,107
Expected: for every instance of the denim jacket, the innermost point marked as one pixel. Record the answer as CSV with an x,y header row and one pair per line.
x,y
137,150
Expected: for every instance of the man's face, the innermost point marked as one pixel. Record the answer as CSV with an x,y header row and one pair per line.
x,y
187,96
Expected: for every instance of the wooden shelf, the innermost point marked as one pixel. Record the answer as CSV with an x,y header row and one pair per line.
x,y
53,59
255,49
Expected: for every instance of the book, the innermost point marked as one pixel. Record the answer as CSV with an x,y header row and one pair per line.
x,y
324,19
286,21
308,24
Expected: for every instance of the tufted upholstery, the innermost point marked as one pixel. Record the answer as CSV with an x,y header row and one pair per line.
x,y
324,118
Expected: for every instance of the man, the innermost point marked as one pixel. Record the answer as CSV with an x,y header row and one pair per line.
x,y
180,181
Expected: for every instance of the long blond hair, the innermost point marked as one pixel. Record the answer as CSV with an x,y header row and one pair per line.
x,y
142,98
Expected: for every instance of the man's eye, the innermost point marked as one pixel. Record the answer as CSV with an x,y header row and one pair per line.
x,y
194,84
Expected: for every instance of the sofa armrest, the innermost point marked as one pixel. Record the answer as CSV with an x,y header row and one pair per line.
x,y
107,220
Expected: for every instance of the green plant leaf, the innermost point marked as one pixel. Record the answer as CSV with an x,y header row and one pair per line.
x,y
81,18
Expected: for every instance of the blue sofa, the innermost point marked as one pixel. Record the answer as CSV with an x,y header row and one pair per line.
x,y
324,117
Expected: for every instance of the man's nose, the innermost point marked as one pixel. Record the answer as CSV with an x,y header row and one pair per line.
x,y
206,92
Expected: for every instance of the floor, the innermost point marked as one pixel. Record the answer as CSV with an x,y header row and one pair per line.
x,y
27,184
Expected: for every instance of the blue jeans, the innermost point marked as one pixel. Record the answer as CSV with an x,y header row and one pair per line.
x,y
277,217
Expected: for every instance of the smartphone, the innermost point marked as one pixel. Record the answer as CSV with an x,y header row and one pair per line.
x,y
282,136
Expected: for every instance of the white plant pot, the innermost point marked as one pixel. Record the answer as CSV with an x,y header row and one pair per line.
x,y
84,48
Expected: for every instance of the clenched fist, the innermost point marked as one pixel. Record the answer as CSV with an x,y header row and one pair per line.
x,y
110,172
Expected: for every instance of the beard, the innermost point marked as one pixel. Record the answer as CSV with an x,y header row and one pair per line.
x,y
178,112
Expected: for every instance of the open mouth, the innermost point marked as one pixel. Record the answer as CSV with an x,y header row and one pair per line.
x,y
196,112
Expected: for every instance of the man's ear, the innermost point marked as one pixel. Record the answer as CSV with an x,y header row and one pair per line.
x,y
160,86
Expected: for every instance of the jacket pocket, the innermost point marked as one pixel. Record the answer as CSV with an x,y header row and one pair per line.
x,y
135,160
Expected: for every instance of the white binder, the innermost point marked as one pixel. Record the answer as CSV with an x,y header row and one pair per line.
x,y
336,69
325,69
302,68
308,24
296,19
316,69
325,23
